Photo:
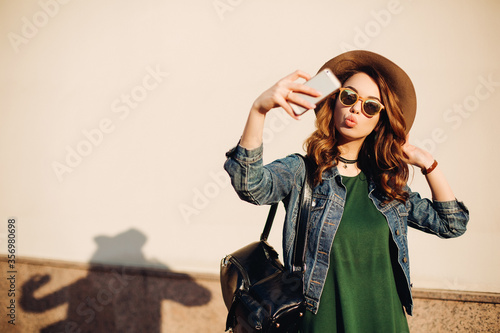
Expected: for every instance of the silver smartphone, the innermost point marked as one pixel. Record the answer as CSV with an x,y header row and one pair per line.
x,y
325,82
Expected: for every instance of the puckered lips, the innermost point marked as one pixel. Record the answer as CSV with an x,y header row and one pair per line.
x,y
351,121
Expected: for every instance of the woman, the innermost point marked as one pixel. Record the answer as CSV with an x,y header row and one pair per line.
x,y
357,269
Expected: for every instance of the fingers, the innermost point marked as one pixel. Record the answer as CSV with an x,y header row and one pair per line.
x,y
294,92
295,98
298,74
286,91
281,99
298,99
290,83
287,107
304,89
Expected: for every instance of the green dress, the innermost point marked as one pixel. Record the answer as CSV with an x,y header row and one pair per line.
x,y
360,293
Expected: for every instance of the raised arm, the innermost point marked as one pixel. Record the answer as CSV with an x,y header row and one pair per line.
x,y
440,189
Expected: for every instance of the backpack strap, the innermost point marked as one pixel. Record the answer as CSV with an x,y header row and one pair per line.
x,y
302,218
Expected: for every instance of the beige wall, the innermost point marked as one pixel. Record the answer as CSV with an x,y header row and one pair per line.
x,y
115,117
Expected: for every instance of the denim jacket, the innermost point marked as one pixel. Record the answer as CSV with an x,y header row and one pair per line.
x,y
282,180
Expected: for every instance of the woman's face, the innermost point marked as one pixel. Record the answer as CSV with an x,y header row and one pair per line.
x,y
350,123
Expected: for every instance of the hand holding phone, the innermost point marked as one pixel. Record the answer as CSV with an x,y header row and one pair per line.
x,y
324,82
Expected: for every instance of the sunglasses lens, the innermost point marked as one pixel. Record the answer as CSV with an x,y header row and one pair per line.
x,y
348,97
371,107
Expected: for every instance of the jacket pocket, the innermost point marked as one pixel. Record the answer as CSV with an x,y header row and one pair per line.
x,y
318,203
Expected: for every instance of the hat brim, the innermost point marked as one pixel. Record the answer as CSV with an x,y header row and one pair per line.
x,y
399,82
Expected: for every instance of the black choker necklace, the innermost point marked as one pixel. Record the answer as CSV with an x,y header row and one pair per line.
x,y
346,161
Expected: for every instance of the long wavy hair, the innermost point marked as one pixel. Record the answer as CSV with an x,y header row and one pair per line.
x,y
381,157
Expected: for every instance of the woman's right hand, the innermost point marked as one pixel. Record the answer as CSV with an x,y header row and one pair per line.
x,y
279,94
283,92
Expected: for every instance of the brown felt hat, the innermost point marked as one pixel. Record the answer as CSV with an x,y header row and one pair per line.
x,y
399,82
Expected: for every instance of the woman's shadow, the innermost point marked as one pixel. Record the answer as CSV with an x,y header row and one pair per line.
x,y
116,299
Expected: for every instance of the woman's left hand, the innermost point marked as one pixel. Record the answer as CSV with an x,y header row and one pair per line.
x,y
441,190
417,156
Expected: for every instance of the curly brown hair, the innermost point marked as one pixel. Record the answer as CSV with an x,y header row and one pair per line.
x,y
381,157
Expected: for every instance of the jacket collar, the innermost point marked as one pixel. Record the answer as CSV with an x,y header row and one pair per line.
x,y
331,173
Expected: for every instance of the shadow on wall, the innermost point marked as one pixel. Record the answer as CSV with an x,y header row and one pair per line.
x,y
115,299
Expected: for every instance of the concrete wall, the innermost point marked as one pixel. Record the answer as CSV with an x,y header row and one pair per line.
x,y
62,297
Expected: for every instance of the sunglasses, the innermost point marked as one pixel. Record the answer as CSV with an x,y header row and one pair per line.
x,y
369,106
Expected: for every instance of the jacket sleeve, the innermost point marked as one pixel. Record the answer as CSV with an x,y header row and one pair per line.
x,y
446,219
259,184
